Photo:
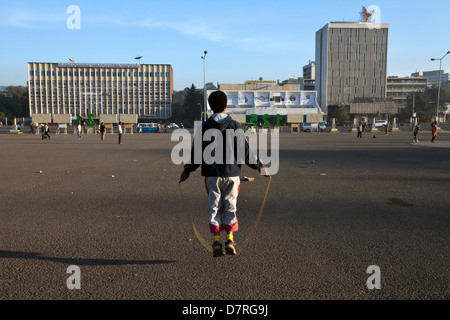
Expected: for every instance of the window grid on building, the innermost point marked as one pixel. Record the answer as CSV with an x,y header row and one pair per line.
x,y
142,89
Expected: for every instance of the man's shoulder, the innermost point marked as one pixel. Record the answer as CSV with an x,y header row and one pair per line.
x,y
235,124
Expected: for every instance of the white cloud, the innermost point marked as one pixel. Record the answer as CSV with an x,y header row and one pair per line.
x,y
195,29
30,20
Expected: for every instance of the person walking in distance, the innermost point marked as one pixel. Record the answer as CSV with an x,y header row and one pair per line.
x,y
416,132
360,129
43,131
102,131
79,130
47,131
119,130
434,130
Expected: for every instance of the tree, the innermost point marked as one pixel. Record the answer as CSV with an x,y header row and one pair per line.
x,y
178,100
340,113
2,117
192,105
424,105
14,102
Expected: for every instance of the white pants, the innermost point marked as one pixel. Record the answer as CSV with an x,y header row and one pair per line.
x,y
222,197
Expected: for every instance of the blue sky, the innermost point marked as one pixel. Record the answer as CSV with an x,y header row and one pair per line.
x,y
245,39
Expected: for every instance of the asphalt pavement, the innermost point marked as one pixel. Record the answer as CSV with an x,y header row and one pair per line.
x,y
337,206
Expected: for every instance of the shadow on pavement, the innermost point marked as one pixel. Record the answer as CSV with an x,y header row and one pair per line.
x,y
79,261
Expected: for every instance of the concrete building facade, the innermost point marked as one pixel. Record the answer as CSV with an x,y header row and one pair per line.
x,y
351,62
398,88
433,77
144,90
309,70
281,107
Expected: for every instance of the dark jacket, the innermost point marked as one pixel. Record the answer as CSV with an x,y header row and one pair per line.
x,y
226,168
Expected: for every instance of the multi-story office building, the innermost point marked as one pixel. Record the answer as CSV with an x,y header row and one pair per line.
x,y
351,62
398,88
309,76
95,88
433,77
309,70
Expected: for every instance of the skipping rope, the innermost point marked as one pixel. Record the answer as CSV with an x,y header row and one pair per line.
x,y
250,234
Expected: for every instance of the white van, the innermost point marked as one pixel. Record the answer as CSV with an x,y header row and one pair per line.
x,y
380,123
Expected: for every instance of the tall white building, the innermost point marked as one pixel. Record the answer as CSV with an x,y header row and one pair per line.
x,y
351,62
101,88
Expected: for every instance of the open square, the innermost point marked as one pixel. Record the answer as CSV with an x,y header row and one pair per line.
x,y
337,206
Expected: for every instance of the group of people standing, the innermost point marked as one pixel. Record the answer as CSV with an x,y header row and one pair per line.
x,y
102,131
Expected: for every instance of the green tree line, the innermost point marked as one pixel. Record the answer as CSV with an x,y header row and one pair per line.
x,y
188,105
14,103
424,103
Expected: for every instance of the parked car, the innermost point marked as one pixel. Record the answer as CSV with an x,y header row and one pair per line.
x,y
172,126
323,125
380,123
306,126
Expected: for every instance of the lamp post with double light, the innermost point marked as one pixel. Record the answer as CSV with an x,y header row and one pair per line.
x,y
439,85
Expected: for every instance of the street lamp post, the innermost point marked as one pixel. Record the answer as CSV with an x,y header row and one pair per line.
x,y
204,84
139,97
439,85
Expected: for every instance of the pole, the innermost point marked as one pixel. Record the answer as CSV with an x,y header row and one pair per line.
x,y
439,84
439,90
204,84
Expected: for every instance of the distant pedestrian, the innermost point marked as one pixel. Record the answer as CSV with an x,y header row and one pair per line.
x,y
102,131
46,133
360,129
416,132
79,130
119,128
386,128
31,127
84,127
43,131
434,130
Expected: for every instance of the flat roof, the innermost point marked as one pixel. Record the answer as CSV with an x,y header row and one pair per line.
x,y
102,65
355,24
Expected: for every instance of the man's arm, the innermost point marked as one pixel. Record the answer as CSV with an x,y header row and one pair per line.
x,y
191,166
